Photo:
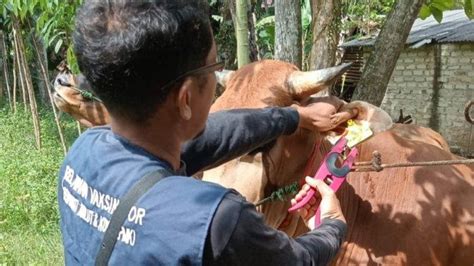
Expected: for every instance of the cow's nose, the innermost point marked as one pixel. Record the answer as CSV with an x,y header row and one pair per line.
x,y
62,81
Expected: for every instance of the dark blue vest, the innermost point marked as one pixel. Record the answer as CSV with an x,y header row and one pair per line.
x,y
167,226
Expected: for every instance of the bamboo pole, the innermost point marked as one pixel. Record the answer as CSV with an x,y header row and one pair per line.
x,y
79,131
48,88
21,82
3,60
21,75
5,69
2,88
242,32
29,85
15,67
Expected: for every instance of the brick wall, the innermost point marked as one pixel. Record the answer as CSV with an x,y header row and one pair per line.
x,y
432,84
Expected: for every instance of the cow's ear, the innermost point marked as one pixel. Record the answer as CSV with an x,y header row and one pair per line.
x,y
376,117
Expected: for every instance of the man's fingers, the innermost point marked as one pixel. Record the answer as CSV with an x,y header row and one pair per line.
x,y
312,201
303,213
326,200
323,189
311,212
299,196
306,187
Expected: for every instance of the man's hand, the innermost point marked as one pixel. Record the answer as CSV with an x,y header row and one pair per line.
x,y
316,116
327,202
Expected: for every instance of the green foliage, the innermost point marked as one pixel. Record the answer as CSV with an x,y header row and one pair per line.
x,y
306,20
265,29
72,60
469,8
29,231
436,8
364,16
53,21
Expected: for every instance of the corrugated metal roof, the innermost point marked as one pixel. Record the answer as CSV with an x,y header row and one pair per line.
x,y
455,27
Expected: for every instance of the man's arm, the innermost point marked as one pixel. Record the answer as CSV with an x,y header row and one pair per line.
x,y
230,134
239,236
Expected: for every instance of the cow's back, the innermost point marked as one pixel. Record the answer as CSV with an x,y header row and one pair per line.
x,y
414,216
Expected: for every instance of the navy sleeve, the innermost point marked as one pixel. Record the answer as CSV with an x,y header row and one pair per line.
x,y
239,236
232,133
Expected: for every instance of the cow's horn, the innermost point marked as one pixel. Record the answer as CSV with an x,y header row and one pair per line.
x,y
223,76
304,84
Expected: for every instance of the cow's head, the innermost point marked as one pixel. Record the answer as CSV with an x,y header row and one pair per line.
x,y
276,83
70,97
272,83
256,175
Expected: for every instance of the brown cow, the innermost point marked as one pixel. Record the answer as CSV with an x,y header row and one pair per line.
x,y
418,215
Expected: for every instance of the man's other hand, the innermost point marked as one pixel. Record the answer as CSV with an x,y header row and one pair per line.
x,y
325,198
316,116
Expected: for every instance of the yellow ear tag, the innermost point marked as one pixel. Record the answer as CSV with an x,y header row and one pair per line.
x,y
356,132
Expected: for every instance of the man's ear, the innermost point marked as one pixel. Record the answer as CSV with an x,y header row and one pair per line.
x,y
184,100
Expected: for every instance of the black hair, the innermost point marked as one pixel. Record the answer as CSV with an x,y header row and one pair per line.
x,y
128,50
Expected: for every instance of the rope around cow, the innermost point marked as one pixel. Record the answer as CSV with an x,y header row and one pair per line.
x,y
375,165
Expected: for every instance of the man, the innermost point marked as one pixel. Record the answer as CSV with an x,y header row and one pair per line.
x,y
152,63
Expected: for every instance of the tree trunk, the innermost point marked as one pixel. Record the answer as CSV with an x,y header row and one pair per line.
x,y
23,64
288,43
226,37
242,32
326,22
388,46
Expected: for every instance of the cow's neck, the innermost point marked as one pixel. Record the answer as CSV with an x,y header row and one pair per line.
x,y
305,158
292,158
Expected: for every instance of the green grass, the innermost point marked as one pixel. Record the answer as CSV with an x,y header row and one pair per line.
x,y
29,229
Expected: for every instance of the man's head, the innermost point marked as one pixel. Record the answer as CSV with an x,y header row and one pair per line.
x,y
132,52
